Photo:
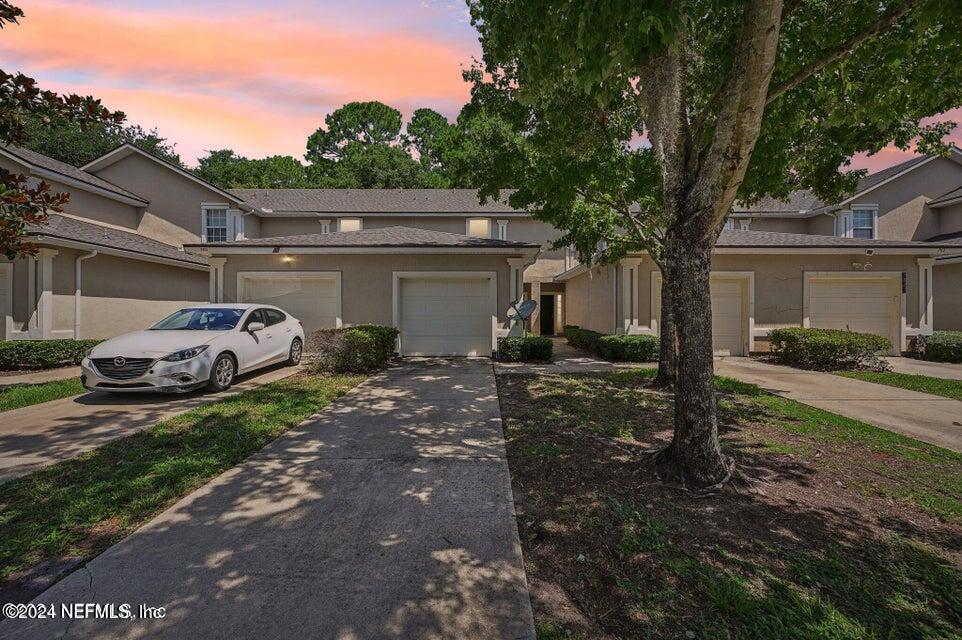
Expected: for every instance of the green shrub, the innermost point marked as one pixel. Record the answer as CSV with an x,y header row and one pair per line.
x,y
353,349
638,348
525,349
43,354
828,349
941,346
582,338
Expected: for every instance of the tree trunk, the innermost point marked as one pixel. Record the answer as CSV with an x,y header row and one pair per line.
x,y
668,350
694,457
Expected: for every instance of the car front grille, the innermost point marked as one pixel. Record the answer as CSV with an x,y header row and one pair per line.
x,y
128,369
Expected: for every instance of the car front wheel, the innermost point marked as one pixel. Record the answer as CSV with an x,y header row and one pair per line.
x,y
222,373
297,350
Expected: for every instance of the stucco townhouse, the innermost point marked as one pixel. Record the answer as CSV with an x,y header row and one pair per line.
x,y
141,237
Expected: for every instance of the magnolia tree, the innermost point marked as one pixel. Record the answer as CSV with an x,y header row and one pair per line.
x,y
22,203
737,99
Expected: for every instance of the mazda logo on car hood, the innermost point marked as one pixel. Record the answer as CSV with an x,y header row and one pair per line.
x,y
120,361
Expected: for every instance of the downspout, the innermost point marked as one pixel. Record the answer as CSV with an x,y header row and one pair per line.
x,y
77,293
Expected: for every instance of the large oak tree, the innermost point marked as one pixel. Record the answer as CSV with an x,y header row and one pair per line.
x,y
737,99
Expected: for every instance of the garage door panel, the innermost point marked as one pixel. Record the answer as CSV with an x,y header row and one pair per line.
x,y
445,316
855,304
728,317
310,299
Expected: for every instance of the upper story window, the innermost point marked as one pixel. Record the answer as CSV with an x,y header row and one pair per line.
x,y
730,224
863,223
502,229
744,224
478,227
216,224
325,226
349,224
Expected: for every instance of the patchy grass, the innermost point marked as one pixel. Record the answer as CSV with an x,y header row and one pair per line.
x,y
926,384
28,394
847,531
79,507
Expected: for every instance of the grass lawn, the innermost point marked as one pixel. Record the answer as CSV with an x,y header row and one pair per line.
x,y
28,394
79,507
926,384
847,531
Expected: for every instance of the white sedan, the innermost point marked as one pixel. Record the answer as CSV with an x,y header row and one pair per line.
x,y
201,346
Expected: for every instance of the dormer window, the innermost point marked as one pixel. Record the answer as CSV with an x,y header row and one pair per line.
x,y
349,224
215,224
478,227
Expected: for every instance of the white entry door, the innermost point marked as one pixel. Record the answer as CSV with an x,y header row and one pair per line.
x,y
314,299
727,317
865,305
445,316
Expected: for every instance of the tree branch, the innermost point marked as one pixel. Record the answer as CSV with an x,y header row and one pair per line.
x,y
834,54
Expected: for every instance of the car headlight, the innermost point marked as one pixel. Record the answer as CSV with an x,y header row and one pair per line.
x,y
185,354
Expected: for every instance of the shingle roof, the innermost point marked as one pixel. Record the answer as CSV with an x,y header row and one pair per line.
x,y
945,197
384,237
372,200
805,201
35,159
754,239
67,228
954,239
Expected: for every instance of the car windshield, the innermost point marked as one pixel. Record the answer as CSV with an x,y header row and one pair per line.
x,y
200,320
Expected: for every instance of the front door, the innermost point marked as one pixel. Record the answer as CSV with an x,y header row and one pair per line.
x,y
547,315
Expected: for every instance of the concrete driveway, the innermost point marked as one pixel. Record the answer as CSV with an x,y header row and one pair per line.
x,y
925,417
35,436
389,515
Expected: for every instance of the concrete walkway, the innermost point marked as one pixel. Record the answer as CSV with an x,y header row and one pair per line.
x,y
389,515
946,370
929,418
11,379
41,434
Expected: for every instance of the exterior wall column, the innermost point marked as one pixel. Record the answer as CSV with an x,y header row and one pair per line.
x,y
516,290
535,327
627,319
926,301
41,323
216,279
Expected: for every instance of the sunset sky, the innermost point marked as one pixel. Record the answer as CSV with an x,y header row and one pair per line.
x,y
257,77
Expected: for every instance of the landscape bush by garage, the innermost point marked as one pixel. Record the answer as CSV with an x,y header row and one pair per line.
x,y
43,354
828,349
941,346
353,349
525,349
582,338
629,348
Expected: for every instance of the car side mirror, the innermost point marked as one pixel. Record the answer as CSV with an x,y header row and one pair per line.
x,y
255,327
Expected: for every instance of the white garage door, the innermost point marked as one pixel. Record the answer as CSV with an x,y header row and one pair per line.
x,y
445,316
312,299
865,305
728,317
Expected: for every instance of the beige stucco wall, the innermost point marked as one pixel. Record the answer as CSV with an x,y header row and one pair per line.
x,y
119,294
173,215
780,225
367,280
902,211
821,225
589,300
947,290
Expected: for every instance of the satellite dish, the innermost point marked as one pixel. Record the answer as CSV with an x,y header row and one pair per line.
x,y
524,308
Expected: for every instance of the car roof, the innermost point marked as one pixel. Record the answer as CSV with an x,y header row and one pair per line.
x,y
232,305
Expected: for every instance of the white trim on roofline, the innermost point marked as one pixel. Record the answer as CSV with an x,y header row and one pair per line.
x,y
127,148
283,249
278,213
122,253
73,182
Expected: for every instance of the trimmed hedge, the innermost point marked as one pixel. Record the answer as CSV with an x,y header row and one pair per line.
x,y
941,346
525,349
637,348
43,354
353,349
828,349
582,338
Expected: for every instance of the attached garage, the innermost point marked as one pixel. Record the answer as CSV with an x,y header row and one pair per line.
x,y
445,314
313,297
861,302
732,303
